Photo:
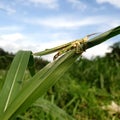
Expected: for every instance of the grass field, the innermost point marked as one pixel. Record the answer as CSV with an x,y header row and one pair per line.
x,y
87,87
84,89
82,92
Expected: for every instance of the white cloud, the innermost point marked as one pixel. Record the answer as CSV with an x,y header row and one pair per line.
x,y
116,3
53,4
12,37
66,22
7,8
10,28
77,4
73,22
11,42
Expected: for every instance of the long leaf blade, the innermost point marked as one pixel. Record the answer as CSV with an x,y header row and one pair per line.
x,y
39,84
31,65
44,79
49,107
14,78
103,37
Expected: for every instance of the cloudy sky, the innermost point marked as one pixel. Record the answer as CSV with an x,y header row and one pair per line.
x,y
39,24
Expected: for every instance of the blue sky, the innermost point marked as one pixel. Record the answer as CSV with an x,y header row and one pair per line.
x,y
39,24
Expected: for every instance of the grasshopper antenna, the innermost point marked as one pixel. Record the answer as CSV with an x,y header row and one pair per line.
x,y
92,34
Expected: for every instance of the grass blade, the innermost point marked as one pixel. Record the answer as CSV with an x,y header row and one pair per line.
x,y
39,84
55,111
14,78
31,66
45,78
104,36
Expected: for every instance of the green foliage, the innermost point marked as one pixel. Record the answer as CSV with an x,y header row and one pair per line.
x,y
36,85
82,91
115,53
104,72
43,109
86,87
6,59
40,63
14,78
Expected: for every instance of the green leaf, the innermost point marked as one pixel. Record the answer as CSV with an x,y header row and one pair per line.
x,y
39,84
104,36
14,78
31,66
2,79
54,110
43,80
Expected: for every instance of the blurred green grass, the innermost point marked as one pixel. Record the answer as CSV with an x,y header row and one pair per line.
x,y
87,86
83,90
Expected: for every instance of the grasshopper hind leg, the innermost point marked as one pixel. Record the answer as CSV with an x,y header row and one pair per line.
x,y
56,56
59,53
62,51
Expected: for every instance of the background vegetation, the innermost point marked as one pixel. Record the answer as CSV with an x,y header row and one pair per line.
x,y
83,90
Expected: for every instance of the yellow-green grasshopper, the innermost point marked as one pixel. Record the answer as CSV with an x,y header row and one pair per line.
x,y
76,44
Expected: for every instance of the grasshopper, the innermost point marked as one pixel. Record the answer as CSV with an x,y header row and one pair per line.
x,y
76,44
